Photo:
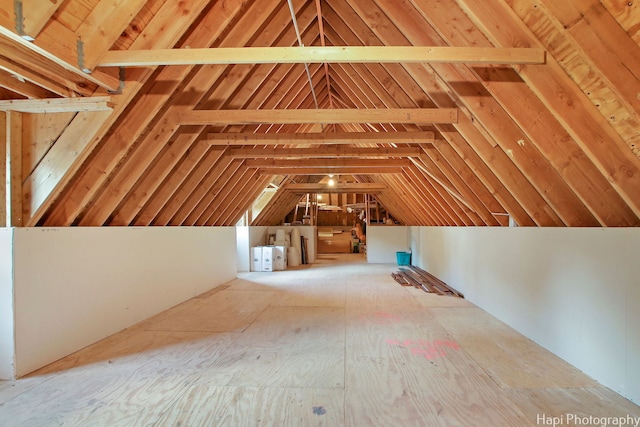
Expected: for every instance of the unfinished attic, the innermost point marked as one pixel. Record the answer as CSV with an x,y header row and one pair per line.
x,y
152,145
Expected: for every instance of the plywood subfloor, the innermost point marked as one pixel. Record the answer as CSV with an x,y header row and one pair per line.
x,y
338,343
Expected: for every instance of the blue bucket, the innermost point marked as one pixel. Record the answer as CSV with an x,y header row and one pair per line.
x,y
404,258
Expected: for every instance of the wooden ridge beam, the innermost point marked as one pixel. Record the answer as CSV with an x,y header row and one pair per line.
x,y
325,151
58,105
327,163
426,137
331,171
345,115
322,54
360,188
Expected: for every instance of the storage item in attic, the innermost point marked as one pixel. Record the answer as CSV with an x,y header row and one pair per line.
x,y
280,258
403,258
293,256
295,242
267,258
256,258
306,250
303,246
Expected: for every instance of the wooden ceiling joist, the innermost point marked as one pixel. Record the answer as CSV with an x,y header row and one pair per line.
x,y
244,138
57,105
325,151
326,163
331,171
282,116
321,54
358,188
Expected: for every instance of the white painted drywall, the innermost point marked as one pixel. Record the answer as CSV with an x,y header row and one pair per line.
x,y
257,236
75,286
243,248
414,238
575,291
383,241
6,304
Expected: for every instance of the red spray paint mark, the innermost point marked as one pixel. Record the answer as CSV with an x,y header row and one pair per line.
x,y
428,349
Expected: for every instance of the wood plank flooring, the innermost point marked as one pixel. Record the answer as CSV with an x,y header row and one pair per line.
x,y
339,343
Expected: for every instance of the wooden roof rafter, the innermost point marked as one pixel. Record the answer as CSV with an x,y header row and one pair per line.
x,y
550,143
108,199
492,116
164,29
468,136
587,133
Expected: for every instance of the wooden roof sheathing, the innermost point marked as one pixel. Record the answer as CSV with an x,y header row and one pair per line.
x,y
548,144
